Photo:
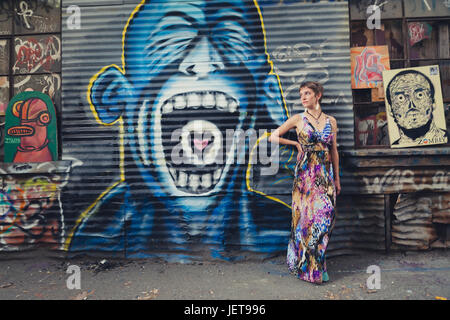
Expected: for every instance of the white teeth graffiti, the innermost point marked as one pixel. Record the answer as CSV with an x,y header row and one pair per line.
x,y
195,183
179,102
206,181
201,157
167,108
195,100
182,180
217,174
209,101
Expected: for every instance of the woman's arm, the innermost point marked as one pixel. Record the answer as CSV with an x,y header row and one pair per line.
x,y
335,156
281,130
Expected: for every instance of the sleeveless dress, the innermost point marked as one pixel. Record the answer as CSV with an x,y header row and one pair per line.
x,y
313,204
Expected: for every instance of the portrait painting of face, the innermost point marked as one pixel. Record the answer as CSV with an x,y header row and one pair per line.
x,y
414,107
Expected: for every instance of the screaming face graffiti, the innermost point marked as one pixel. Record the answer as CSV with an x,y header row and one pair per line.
x,y
195,100
192,71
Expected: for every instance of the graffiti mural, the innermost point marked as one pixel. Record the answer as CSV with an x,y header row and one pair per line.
x,y
30,205
195,57
30,129
37,16
35,54
50,84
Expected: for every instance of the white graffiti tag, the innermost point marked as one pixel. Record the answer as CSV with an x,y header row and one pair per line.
x,y
31,54
398,180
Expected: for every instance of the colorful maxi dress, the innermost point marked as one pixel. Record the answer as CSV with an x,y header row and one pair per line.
x,y
313,204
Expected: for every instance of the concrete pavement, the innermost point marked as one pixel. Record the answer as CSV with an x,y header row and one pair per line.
x,y
403,276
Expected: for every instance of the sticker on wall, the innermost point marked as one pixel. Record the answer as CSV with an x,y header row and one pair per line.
x,y
30,129
414,106
367,65
418,31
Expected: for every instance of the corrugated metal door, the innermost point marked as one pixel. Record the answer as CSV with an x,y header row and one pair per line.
x,y
144,81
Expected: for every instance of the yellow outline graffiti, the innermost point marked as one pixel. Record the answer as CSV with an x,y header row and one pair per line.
x,y
266,135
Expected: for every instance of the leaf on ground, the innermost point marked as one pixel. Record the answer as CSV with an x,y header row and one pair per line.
x,y
149,295
83,295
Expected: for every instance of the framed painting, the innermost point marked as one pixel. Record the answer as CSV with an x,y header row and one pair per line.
x,y
414,107
367,66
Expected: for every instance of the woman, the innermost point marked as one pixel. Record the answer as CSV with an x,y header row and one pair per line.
x,y
316,184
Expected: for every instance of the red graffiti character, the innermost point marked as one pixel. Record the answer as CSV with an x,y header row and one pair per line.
x,y
34,119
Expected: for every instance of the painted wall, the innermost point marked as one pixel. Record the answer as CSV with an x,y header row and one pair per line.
x,y
145,82
137,75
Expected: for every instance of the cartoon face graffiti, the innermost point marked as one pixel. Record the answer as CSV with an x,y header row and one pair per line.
x,y
34,119
184,84
30,128
412,99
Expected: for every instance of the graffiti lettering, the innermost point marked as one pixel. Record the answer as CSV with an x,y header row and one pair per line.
x,y
441,179
21,167
310,63
23,12
369,68
392,177
396,179
49,84
32,55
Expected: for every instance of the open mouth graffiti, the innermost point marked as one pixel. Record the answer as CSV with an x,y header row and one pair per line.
x,y
202,119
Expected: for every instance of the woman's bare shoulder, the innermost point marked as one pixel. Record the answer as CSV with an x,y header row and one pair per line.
x,y
332,119
298,119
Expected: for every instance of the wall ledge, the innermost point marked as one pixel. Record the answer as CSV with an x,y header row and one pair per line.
x,y
406,157
50,167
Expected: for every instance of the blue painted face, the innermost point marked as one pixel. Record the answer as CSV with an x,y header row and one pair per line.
x,y
194,70
183,125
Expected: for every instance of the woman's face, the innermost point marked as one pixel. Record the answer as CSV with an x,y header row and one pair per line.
x,y
309,98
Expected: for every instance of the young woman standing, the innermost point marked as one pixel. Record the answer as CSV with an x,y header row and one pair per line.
x,y
316,184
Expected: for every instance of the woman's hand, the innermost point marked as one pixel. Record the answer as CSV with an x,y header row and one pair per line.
x,y
300,150
337,183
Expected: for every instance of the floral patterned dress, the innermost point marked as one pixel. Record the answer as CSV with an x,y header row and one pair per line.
x,y
313,204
